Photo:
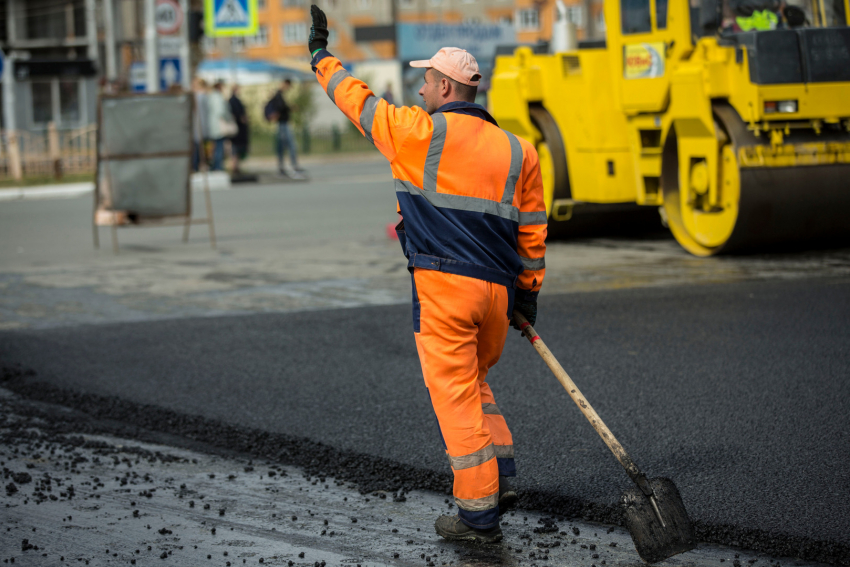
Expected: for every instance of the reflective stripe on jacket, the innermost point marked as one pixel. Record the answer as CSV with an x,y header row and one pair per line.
x,y
469,192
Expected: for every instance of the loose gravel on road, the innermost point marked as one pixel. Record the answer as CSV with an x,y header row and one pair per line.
x,y
77,494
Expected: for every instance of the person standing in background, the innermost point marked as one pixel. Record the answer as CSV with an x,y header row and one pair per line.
x,y
239,142
280,110
200,132
217,116
388,94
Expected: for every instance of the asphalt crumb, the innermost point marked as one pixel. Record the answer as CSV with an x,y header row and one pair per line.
x,y
369,474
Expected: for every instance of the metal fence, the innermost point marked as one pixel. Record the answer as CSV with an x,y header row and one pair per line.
x,y
52,152
313,140
56,153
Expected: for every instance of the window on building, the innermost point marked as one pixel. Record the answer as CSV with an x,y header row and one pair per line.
x,y
331,4
293,33
364,4
333,37
661,14
636,17
261,39
42,102
58,101
43,19
436,2
528,19
237,44
261,4
471,21
506,20
293,3
406,3
575,14
69,102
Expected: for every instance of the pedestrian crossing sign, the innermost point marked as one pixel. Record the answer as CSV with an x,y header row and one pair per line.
x,y
230,17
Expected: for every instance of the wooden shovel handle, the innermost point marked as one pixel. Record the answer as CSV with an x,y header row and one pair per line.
x,y
583,405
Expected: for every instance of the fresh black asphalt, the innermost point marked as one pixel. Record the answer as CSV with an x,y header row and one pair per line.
x,y
738,392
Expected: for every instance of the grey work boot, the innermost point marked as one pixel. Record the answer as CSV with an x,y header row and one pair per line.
x,y
507,496
453,529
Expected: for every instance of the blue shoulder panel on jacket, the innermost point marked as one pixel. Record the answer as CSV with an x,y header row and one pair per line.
x,y
322,54
470,237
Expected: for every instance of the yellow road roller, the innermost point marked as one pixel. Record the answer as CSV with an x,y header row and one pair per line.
x,y
740,139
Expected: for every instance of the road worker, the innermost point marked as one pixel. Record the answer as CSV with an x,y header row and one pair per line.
x,y
473,229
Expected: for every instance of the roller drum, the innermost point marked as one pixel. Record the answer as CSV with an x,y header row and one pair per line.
x,y
775,205
787,204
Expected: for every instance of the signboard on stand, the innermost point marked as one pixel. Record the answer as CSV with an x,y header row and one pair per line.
x,y
230,17
144,164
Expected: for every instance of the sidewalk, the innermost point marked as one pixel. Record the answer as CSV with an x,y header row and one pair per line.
x,y
269,163
219,180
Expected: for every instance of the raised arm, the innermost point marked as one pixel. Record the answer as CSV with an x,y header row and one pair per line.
x,y
383,124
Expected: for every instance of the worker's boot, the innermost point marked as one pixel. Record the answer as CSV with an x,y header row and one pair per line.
x,y
507,496
452,528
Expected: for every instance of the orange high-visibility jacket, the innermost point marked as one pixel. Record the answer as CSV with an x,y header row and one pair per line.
x,y
470,193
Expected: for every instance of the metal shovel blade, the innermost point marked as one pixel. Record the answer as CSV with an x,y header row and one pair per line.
x,y
653,541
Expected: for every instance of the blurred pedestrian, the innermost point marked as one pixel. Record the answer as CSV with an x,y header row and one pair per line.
x,y
200,132
220,124
279,110
388,94
239,142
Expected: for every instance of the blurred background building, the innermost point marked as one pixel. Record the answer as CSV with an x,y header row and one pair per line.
x,y
59,55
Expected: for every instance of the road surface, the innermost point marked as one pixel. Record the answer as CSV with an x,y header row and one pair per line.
x,y
293,343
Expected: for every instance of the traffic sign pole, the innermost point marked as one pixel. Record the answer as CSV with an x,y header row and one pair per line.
x,y
186,66
109,40
151,55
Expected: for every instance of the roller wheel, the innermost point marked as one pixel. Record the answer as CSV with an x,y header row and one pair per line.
x,y
553,157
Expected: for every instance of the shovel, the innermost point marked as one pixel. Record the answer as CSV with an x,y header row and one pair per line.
x,y
655,513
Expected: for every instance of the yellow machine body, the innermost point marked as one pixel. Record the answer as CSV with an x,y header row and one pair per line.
x,y
664,119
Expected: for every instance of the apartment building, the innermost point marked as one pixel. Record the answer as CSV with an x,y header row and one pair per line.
x,y
363,30
50,61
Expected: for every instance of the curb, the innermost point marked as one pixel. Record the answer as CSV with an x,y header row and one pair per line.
x,y
65,191
219,181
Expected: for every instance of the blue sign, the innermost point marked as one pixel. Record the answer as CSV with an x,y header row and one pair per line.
x,y
138,77
422,41
230,17
170,72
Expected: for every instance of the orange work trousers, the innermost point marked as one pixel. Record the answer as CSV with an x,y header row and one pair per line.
x,y
460,325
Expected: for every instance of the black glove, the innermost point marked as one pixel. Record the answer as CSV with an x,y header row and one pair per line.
x,y
319,30
526,303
